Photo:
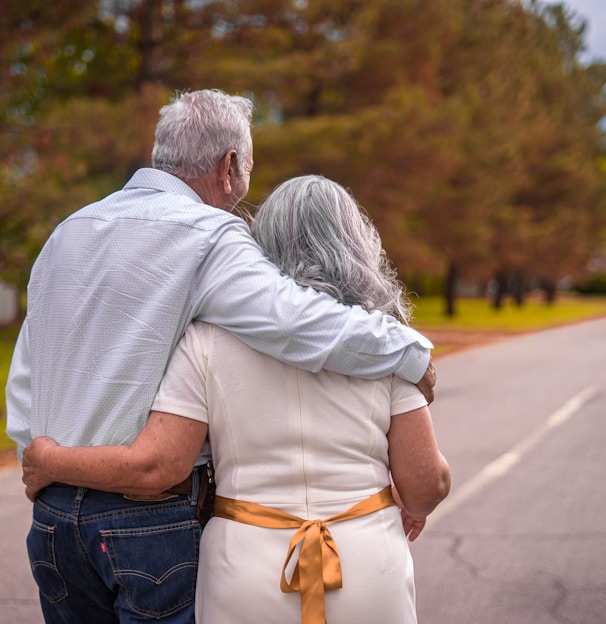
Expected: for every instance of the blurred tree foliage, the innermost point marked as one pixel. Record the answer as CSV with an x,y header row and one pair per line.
x,y
467,129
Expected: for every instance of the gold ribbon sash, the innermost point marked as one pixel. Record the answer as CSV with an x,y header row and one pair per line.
x,y
318,568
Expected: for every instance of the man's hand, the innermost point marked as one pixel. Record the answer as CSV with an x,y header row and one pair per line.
x,y
34,476
413,525
427,383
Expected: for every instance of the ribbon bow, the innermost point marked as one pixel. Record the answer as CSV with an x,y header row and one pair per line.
x,y
318,568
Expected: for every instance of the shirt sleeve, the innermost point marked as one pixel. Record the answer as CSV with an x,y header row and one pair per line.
x,y
243,292
183,387
405,397
19,393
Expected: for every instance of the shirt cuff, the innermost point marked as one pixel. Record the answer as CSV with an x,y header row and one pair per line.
x,y
415,362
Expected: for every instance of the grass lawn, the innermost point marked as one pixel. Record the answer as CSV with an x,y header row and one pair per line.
x,y
475,321
8,335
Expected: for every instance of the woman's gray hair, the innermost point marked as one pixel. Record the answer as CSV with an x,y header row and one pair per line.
x,y
314,231
197,129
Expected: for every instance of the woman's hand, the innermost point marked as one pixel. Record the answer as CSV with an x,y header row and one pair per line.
x,y
34,475
413,525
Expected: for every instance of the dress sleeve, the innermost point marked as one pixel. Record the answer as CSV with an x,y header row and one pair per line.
x,y
183,387
243,292
405,397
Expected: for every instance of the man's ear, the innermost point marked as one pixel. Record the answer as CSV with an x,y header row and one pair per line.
x,y
225,169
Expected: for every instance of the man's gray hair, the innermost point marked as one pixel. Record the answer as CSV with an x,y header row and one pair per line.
x,y
314,230
197,129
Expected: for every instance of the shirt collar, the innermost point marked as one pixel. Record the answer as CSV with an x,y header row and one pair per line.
x,y
161,181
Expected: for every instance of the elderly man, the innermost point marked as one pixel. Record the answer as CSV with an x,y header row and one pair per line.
x,y
109,297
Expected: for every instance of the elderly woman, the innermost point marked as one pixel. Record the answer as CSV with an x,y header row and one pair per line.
x,y
305,526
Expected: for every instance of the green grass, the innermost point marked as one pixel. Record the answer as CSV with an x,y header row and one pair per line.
x,y
473,315
476,320
8,335
478,315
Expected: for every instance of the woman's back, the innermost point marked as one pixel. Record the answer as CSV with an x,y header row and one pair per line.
x,y
311,445
284,437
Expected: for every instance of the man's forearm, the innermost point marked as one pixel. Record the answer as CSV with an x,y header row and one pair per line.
x,y
162,455
107,468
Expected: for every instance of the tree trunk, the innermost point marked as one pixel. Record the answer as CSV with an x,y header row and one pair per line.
x,y
550,291
150,44
450,290
416,284
518,290
500,290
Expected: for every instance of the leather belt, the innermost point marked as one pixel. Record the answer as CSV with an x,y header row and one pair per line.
x,y
180,489
185,487
206,493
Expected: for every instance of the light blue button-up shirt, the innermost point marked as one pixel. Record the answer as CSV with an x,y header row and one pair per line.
x,y
117,283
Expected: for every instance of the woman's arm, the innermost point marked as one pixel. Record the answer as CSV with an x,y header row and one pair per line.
x,y
162,455
419,470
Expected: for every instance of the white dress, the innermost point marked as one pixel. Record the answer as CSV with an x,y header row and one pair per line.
x,y
309,444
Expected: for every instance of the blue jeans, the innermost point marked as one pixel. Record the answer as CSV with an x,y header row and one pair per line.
x,y
99,558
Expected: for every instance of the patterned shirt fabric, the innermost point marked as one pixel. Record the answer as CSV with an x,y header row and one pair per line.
x,y
115,287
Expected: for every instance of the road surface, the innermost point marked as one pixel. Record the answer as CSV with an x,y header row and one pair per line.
x,y
522,537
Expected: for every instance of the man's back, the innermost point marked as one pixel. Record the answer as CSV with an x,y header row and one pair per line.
x,y
109,297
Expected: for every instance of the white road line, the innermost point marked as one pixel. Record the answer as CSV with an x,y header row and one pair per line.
x,y
505,462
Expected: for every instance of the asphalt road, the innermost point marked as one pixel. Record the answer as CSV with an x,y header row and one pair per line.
x,y
522,537
18,592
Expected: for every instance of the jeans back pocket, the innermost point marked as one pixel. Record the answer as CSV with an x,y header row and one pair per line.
x,y
156,566
41,551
